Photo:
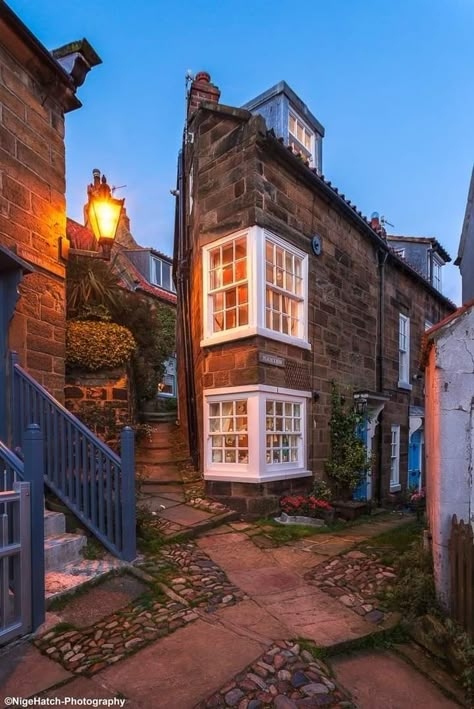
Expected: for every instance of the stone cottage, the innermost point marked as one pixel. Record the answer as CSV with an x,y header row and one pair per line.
x,y
37,89
284,287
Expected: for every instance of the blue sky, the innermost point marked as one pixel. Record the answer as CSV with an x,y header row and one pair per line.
x,y
391,81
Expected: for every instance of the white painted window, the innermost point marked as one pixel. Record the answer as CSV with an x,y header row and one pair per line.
x,y
228,285
162,274
255,433
395,459
284,290
404,351
436,275
283,432
301,137
428,325
254,283
229,441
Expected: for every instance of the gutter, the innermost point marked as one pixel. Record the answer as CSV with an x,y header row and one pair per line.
x,y
349,210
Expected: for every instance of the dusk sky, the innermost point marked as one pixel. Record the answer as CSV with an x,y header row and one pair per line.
x,y
392,83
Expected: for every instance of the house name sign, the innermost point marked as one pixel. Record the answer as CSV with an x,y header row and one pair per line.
x,y
274,360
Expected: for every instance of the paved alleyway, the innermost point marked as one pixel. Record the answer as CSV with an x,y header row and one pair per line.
x,y
223,639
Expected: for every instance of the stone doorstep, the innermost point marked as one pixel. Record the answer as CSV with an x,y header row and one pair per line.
x,y
114,567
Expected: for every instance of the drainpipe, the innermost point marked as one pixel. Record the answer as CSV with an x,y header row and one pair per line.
x,y
381,260
183,291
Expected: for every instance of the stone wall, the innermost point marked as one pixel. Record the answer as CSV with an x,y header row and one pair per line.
x,y
33,218
241,178
106,395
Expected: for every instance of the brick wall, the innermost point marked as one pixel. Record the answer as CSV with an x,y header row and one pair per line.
x,y
33,217
241,179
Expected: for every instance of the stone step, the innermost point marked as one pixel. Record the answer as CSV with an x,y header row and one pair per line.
x,y
160,455
62,549
54,523
160,472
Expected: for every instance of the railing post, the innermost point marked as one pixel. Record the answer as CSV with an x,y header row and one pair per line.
x,y
33,450
15,433
129,545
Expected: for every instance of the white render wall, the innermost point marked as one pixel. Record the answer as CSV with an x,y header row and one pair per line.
x,y
449,437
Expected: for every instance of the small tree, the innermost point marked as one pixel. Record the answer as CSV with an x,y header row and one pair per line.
x,y
348,462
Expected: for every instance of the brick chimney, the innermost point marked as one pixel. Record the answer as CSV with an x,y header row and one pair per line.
x,y
201,90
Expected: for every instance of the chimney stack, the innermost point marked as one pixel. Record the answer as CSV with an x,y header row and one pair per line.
x,y
77,59
201,90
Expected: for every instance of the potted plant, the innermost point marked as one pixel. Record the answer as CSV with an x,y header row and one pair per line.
x,y
348,462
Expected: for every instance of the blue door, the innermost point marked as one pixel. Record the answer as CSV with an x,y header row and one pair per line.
x,y
361,491
414,460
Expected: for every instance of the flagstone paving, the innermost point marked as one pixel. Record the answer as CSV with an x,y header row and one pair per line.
x,y
195,582
217,626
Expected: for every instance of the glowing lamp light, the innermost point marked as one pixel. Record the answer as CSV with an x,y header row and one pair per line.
x,y
104,212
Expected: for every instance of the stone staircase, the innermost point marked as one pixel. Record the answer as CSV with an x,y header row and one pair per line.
x,y
60,547
162,458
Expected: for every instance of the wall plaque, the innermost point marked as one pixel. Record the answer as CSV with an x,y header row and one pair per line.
x,y
274,360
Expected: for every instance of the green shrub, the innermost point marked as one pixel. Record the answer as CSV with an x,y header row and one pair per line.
x,y
348,460
97,345
413,593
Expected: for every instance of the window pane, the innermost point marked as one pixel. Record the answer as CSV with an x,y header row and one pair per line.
x,y
243,294
166,275
230,298
243,315
241,248
227,275
216,456
240,270
228,253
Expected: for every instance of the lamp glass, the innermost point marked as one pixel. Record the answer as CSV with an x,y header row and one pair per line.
x,y
104,215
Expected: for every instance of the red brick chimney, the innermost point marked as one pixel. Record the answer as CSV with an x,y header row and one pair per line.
x,y
202,90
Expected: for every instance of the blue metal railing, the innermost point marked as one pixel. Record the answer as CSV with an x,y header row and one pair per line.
x,y
81,470
13,470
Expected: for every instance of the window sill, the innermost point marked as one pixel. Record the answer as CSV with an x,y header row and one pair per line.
x,y
241,333
404,385
255,477
395,488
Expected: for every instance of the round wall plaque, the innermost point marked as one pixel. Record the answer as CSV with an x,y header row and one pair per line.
x,y
316,245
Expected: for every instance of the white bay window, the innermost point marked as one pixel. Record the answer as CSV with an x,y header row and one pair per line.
x,y
255,283
255,433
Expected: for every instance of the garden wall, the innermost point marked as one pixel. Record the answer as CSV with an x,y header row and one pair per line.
x,y
103,400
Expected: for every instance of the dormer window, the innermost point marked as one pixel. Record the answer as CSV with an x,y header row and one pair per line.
x,y
301,137
161,274
436,266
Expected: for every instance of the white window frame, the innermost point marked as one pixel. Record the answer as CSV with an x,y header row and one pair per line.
x,y
404,352
256,281
428,325
154,261
170,370
436,278
306,127
395,459
256,470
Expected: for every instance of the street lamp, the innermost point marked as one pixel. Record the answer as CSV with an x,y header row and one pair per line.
x,y
103,212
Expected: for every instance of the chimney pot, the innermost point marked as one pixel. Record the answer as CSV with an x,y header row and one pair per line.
x,y
203,76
